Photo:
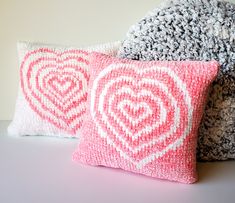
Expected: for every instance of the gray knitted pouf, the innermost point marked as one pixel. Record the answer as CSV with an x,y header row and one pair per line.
x,y
195,30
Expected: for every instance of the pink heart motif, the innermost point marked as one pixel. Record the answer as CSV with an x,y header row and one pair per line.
x,y
55,86
139,111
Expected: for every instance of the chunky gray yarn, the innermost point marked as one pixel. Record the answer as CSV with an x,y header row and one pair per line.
x,y
195,30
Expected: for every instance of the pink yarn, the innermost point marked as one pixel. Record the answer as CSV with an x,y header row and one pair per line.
x,y
53,88
143,116
55,85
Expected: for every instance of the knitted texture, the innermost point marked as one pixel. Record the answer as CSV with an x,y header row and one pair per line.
x,y
144,116
53,88
195,30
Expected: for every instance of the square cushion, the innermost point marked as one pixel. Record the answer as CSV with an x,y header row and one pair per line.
x,y
143,117
53,88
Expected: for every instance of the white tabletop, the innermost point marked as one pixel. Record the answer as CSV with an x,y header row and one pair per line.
x,y
39,169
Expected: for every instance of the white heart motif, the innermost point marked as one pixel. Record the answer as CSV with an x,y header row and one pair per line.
x,y
130,85
138,120
135,107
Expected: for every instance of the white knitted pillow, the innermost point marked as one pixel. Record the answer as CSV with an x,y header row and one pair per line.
x,y
53,88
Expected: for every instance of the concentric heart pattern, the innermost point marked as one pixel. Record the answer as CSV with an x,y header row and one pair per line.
x,y
142,113
54,84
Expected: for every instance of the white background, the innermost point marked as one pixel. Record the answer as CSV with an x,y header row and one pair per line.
x,y
71,22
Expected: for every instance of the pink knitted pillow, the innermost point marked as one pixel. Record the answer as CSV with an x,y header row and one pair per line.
x,y
53,88
144,116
